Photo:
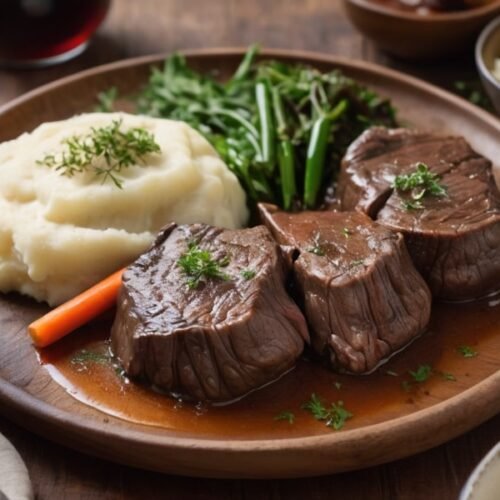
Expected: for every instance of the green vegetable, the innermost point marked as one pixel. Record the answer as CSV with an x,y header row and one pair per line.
x,y
286,152
286,415
105,150
199,265
315,163
267,129
264,117
335,416
420,183
467,352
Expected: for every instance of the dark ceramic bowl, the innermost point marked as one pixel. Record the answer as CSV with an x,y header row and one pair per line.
x,y
420,36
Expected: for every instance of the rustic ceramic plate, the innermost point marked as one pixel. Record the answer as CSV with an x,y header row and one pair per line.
x,y
29,395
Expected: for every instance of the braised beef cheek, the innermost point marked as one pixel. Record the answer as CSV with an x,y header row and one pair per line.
x,y
361,294
220,339
454,240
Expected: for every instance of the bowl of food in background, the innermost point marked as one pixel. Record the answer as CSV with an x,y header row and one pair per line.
x,y
484,482
488,60
422,29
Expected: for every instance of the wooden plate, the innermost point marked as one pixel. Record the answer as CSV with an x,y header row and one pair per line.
x,y
29,396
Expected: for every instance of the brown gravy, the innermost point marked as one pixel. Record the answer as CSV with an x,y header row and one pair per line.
x,y
388,393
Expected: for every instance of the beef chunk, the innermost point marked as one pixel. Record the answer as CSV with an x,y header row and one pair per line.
x,y
361,294
220,339
454,240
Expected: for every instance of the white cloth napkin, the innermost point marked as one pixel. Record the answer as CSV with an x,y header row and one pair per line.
x,y
15,483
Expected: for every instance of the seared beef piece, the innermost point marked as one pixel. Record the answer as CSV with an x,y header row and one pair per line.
x,y
362,296
454,240
219,340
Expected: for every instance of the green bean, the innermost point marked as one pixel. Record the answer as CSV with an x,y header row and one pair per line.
x,y
338,110
286,160
286,152
315,163
267,131
246,63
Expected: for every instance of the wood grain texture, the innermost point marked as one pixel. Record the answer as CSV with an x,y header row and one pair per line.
x,y
136,28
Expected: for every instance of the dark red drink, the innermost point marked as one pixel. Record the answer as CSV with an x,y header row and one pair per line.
x,y
47,30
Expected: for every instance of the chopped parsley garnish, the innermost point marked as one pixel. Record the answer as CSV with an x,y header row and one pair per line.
x,y
83,357
318,248
356,263
104,150
248,274
286,415
199,265
467,351
419,184
448,376
413,205
422,373
335,416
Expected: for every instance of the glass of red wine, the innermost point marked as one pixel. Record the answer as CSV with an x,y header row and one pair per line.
x,y
41,32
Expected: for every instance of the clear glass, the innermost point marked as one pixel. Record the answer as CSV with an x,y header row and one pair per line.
x,y
41,32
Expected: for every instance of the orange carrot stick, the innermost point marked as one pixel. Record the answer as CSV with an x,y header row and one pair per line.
x,y
76,312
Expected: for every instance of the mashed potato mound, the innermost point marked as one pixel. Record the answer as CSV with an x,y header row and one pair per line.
x,y
59,235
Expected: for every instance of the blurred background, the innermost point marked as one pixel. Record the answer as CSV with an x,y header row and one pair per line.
x,y
133,28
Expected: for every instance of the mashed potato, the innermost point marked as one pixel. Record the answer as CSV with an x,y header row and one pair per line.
x,y
59,235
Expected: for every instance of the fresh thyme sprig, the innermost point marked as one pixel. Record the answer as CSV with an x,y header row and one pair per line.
x,y
104,150
199,265
335,416
420,183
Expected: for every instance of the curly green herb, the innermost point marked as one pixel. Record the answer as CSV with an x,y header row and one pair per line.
x,y
104,150
334,416
199,265
420,183
422,373
248,274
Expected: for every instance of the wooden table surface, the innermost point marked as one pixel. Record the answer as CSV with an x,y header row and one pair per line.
x,y
150,26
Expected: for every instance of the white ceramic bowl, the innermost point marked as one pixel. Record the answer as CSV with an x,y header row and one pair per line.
x,y
484,482
487,50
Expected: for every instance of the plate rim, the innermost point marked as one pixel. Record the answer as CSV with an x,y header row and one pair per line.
x,y
32,410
